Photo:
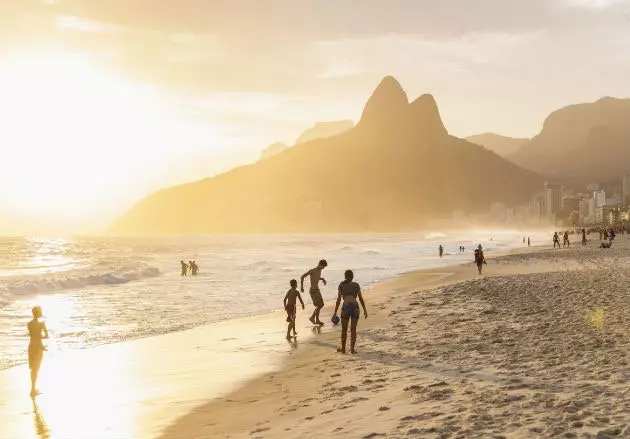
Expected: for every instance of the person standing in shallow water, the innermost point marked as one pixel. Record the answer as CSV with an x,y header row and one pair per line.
x,y
315,275
184,268
37,332
349,291
441,250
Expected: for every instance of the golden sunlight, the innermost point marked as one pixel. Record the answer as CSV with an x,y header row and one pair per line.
x,y
73,135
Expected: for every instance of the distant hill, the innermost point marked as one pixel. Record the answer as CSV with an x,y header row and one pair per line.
x,y
572,142
395,170
321,130
273,149
498,144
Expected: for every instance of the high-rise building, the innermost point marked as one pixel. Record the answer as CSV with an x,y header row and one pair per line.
x,y
625,190
553,195
600,198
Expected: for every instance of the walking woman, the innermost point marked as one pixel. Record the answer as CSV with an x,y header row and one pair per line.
x,y
38,332
349,291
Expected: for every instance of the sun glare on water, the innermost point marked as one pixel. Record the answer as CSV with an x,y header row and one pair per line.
x,y
73,136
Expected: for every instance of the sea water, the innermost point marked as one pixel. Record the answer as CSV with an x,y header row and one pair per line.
x,y
105,290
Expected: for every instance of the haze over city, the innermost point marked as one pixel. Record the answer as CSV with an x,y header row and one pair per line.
x,y
105,102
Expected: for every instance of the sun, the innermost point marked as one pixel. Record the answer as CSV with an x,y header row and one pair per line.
x,y
73,136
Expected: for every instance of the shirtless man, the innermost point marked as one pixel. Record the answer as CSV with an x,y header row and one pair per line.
x,y
315,275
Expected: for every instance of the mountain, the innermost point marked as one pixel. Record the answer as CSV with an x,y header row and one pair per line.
x,y
560,150
501,145
273,149
322,130
395,170
604,156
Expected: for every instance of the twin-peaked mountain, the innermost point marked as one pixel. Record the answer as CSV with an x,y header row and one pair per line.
x,y
397,168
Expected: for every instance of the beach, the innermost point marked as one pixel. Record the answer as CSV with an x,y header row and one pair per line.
x,y
537,347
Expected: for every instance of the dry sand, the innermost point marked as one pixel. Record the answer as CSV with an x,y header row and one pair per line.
x,y
537,347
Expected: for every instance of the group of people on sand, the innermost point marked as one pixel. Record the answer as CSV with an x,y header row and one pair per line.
x,y
565,240
190,267
348,291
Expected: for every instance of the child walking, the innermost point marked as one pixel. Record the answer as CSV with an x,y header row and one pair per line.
x,y
290,306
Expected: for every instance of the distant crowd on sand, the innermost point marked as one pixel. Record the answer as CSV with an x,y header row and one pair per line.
x,y
606,234
191,268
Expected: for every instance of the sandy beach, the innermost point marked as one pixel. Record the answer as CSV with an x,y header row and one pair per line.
x,y
537,347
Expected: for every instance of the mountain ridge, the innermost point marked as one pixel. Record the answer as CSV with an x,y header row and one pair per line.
x,y
396,169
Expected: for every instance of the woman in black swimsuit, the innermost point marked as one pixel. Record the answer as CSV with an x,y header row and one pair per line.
x,y
349,291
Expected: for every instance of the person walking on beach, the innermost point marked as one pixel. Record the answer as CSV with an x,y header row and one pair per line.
x,y
349,291
290,301
479,259
37,332
441,250
566,240
556,240
184,268
583,236
315,275
529,242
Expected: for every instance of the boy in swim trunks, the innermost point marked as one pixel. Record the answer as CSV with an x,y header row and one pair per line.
x,y
315,275
289,305
36,346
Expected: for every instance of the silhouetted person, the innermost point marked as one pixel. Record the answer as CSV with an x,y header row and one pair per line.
x,y
583,236
290,301
529,242
184,268
349,291
566,240
523,240
556,240
605,234
194,268
441,250
315,275
37,332
479,259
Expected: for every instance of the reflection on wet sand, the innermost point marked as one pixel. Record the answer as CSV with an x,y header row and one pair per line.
x,y
134,390
41,429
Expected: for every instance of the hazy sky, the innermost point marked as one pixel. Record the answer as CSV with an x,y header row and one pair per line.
x,y
101,101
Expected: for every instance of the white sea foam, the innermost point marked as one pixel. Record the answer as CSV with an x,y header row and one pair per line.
x,y
96,291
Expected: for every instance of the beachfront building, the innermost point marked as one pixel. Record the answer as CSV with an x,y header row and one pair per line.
x,y
537,210
553,196
625,190
600,198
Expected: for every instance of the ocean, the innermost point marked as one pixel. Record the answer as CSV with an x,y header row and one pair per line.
x,y
106,290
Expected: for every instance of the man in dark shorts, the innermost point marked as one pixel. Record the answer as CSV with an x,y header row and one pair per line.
x,y
315,275
36,346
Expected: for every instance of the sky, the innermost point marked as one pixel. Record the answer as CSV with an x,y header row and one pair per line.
x,y
104,101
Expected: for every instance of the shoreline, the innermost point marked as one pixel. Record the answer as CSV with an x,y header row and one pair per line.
x,y
321,347
169,375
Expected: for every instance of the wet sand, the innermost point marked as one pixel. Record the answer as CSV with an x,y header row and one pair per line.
x,y
537,347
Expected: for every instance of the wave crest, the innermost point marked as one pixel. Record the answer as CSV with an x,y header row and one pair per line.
x,y
47,284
